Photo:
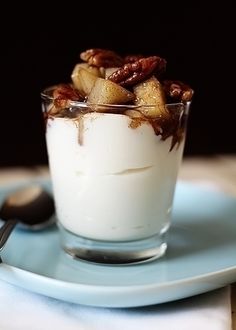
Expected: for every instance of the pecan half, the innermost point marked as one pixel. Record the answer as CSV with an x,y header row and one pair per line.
x,y
177,91
132,73
62,95
132,58
101,58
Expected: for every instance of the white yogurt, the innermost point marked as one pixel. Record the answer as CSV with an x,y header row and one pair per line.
x,y
111,182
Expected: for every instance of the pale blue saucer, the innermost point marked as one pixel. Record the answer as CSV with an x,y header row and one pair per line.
x,y
201,257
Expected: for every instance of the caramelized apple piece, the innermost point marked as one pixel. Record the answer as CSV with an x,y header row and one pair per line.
x,y
150,92
109,71
106,92
76,78
87,80
134,114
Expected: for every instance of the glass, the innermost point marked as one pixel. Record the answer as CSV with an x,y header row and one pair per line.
x,y
114,174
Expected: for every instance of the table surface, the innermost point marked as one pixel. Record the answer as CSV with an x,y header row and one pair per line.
x,y
219,170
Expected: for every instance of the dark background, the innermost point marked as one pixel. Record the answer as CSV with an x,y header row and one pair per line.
x,y
39,47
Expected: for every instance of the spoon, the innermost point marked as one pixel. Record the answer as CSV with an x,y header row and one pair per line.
x,y
31,207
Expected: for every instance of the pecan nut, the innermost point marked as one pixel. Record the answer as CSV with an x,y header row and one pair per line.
x,y
177,91
101,58
62,96
133,58
132,73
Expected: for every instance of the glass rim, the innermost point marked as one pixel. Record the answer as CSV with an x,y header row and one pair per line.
x,y
78,104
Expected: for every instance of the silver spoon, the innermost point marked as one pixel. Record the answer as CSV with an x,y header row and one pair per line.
x,y
32,207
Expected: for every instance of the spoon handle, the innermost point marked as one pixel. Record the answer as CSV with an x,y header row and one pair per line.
x,y
5,231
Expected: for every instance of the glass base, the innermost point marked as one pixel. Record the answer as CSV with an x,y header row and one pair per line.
x,y
115,253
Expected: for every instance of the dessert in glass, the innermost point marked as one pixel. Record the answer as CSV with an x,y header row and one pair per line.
x,y
115,138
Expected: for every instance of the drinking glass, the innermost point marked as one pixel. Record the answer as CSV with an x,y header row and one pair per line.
x,y
114,174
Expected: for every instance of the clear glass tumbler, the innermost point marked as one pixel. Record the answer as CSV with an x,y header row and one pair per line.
x,y
114,174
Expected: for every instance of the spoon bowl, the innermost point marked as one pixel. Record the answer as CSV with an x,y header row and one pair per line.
x,y
32,207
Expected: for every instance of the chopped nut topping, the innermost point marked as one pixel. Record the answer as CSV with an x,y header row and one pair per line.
x,y
133,58
63,94
132,73
177,91
101,58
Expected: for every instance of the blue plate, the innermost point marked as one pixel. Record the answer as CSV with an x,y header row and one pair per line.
x,y
201,257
